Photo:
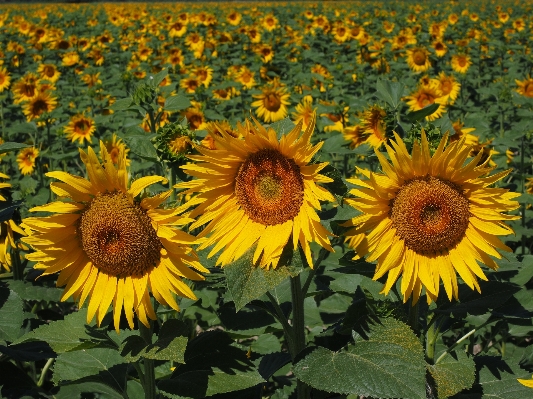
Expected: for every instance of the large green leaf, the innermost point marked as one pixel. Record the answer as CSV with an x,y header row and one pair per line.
x,y
390,364
103,365
390,92
170,345
11,315
10,146
453,374
32,292
417,116
142,146
122,104
213,365
176,103
247,281
62,335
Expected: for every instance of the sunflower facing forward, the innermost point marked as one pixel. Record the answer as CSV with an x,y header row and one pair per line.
x,y
259,190
428,217
110,247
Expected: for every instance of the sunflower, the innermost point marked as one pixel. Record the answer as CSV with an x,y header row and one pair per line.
x,y
114,147
354,135
234,18
245,77
464,133
7,228
111,247
460,63
440,48
373,126
49,72
38,105
26,160
80,128
525,87
70,59
195,117
25,88
204,74
5,79
217,128
418,59
448,86
259,192
429,217
424,96
190,84
304,112
272,103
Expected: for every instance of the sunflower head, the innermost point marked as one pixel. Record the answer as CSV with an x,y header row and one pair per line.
x,y
430,217
258,191
174,141
111,246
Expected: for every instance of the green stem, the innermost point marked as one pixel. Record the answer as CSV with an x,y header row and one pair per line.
x,y
43,373
149,372
321,255
431,340
287,329
298,328
413,315
18,273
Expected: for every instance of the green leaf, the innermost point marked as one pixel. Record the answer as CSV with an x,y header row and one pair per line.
x,y
417,116
7,210
142,146
247,281
283,127
122,104
213,365
265,344
176,103
88,389
213,115
62,335
97,364
337,186
32,292
158,78
11,146
390,364
497,379
390,92
453,374
170,345
11,315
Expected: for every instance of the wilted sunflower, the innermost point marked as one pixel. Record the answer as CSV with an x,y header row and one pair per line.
x,y
111,247
26,160
258,191
428,217
80,128
418,59
272,103
525,87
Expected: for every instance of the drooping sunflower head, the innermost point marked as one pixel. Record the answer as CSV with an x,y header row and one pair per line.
x,y
110,246
258,191
174,141
429,217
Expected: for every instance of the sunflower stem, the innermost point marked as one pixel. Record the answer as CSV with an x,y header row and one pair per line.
x,y
18,272
414,310
43,372
287,329
298,329
149,372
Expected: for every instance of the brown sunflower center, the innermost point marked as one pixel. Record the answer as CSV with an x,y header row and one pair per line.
x,y
82,126
528,89
446,87
39,107
419,57
272,102
430,215
425,99
118,236
269,187
461,61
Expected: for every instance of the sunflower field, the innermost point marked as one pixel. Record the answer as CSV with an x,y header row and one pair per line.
x,y
286,200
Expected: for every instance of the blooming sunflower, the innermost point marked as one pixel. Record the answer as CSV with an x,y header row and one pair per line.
x,y
111,247
460,63
429,217
114,147
418,59
26,160
42,103
525,87
424,96
354,134
80,128
373,126
272,103
70,59
49,72
448,86
5,79
258,191
304,111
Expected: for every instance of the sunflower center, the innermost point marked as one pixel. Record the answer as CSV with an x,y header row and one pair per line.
x,y
272,102
419,57
446,87
269,187
430,215
424,100
118,236
528,90
462,62
39,106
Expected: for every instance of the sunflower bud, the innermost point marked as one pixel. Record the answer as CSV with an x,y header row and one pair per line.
x,y
174,141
